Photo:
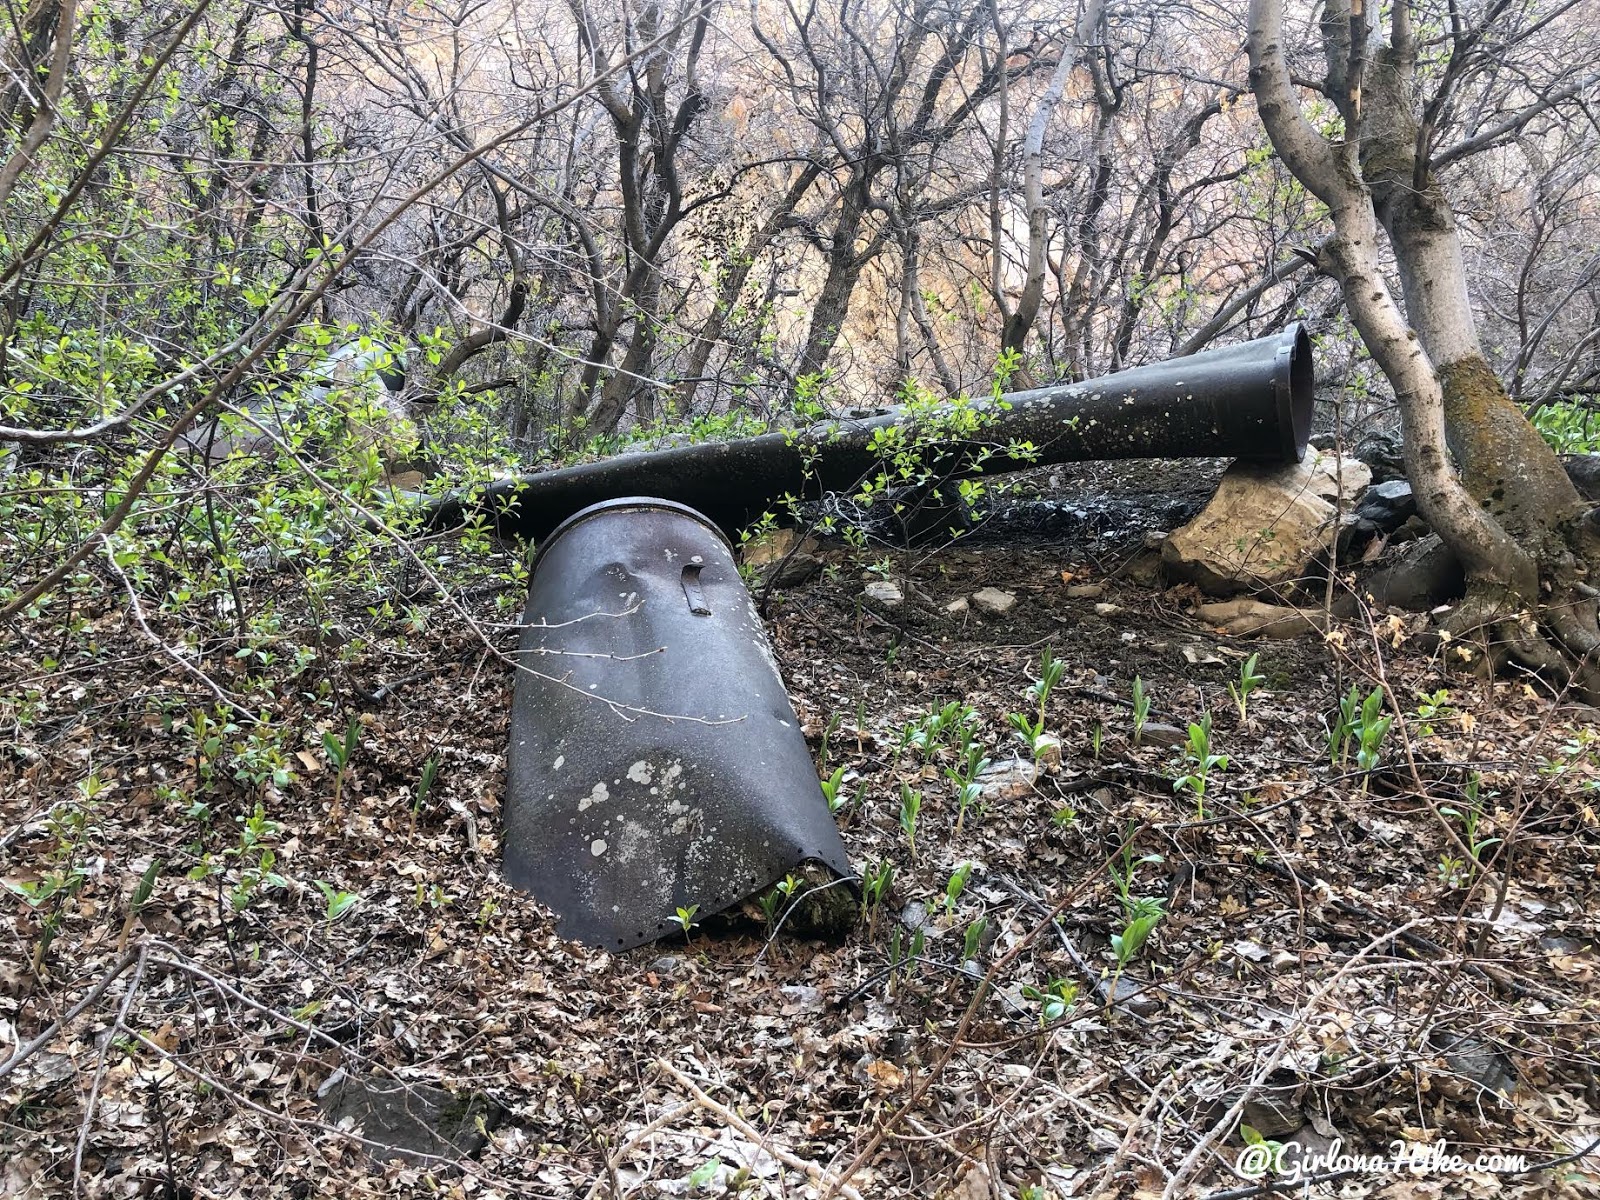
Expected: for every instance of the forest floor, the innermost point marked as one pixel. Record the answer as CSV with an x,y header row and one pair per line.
x,y
1346,958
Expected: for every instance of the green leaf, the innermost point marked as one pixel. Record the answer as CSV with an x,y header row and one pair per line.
x,y
147,884
702,1175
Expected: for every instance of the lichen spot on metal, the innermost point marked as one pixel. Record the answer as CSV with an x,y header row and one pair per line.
x,y
641,772
597,847
596,795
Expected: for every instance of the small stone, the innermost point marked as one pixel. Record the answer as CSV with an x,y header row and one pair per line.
x,y
1006,781
1146,570
1477,1062
914,915
1047,751
1086,591
958,607
409,1119
1387,506
884,592
1157,734
1274,1113
1383,456
1556,944
1132,996
1254,951
1252,618
1107,609
899,1045
798,997
994,601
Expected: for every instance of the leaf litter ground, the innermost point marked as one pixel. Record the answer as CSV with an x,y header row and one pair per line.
x,y
1331,967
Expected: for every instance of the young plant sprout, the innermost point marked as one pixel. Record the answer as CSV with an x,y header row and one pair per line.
x,y
1247,683
686,918
973,939
339,753
875,884
424,786
1201,762
910,808
956,885
832,790
1141,709
336,903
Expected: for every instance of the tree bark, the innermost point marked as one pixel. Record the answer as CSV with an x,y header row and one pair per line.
x,y
1020,321
1511,514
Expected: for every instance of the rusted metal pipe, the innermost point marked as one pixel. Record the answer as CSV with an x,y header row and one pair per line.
x,y
1250,401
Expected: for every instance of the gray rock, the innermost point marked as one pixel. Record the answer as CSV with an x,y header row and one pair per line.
x,y
1383,456
1146,569
1584,471
1086,591
1274,1112
1477,1062
1133,996
914,915
1387,506
884,592
409,1120
798,997
958,607
1157,734
1006,780
994,601
1557,944
1424,574
667,964
899,1045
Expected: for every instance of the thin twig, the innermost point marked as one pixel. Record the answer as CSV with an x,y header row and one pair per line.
x,y
733,1120
108,1042
55,1027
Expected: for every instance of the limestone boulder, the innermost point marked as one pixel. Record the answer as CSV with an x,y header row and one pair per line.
x,y
1266,525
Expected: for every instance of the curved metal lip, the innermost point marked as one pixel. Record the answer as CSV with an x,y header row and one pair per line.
x,y
626,504
1295,383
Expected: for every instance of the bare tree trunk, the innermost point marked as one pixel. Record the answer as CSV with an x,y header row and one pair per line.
x,y
736,275
1511,515
1020,321
845,264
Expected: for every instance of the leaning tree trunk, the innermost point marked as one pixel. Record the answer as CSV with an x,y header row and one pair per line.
x,y
1504,463
1504,505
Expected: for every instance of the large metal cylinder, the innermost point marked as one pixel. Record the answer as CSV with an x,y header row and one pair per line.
x,y
656,763
1251,401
